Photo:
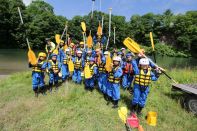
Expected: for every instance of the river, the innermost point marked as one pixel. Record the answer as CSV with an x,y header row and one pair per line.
x,y
12,61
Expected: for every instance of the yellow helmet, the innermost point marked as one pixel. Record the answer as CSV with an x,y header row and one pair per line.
x,y
72,44
81,43
61,41
42,54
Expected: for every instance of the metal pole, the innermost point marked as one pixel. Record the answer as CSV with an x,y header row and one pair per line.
x,y
27,40
110,12
92,8
114,35
102,23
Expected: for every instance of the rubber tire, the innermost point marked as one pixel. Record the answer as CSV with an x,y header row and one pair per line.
x,y
191,104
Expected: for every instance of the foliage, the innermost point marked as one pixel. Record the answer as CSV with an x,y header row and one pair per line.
x,y
177,31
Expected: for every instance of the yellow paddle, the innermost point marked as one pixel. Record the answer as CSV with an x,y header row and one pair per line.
x,y
58,40
89,40
132,45
83,26
87,72
108,63
70,66
122,113
99,30
153,46
31,55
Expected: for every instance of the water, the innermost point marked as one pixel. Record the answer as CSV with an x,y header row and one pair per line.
x,y
12,61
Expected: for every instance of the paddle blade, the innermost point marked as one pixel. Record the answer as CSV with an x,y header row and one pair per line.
x,y
140,128
89,41
32,57
108,64
122,112
70,66
152,42
65,47
132,45
87,72
83,26
99,30
57,38
55,51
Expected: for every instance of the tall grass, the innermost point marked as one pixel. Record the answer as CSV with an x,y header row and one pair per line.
x,y
72,108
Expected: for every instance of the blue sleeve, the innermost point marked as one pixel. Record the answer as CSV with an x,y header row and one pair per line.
x,y
83,62
153,76
44,65
95,70
49,65
118,73
73,59
59,65
135,67
103,59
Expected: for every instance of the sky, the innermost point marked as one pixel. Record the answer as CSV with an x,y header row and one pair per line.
x,y
127,8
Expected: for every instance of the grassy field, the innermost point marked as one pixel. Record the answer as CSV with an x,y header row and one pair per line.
x,y
73,109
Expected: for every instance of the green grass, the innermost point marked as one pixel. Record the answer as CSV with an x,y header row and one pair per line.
x,y
72,108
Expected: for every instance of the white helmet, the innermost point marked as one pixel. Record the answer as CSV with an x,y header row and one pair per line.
x,y
67,50
106,53
144,61
116,58
79,52
89,51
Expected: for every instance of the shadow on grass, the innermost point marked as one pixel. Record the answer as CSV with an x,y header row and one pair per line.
x,y
126,100
178,97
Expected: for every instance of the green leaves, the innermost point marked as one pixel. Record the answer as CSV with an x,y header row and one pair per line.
x,y
178,31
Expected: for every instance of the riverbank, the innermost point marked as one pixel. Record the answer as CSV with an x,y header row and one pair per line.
x,y
72,108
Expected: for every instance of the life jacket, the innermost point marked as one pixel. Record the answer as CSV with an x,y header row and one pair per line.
x,y
111,77
72,51
128,69
143,79
102,68
66,60
54,66
87,58
92,69
37,68
78,63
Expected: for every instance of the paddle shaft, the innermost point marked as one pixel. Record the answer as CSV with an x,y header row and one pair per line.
x,y
108,40
154,64
114,35
27,40
65,30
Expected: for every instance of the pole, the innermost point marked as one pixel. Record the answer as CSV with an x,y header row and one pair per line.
x,y
110,12
27,40
114,35
92,8
102,22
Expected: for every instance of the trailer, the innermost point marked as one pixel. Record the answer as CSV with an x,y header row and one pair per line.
x,y
190,102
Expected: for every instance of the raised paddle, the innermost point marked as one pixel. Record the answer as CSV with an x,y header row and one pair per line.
x,y
153,46
132,45
31,55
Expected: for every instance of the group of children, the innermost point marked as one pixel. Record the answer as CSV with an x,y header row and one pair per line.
x,y
125,71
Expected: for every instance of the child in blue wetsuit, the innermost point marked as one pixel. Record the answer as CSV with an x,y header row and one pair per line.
x,y
38,70
143,77
114,77
90,83
54,67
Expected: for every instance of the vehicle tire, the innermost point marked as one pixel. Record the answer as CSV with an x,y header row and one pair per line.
x,y
191,104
